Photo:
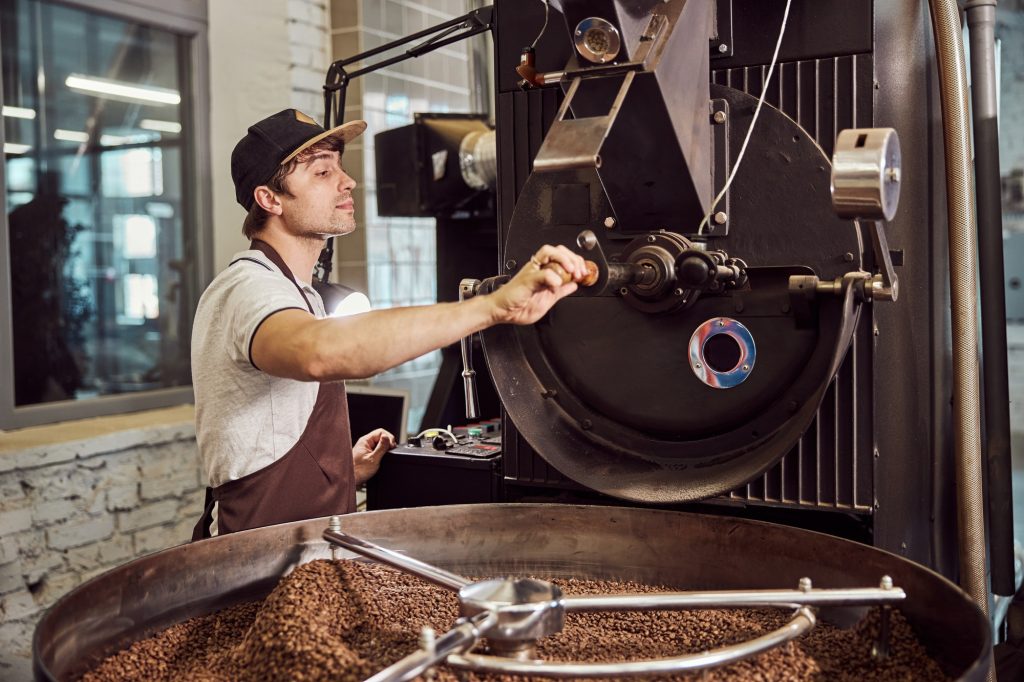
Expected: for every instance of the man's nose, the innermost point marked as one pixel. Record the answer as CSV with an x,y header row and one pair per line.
x,y
346,182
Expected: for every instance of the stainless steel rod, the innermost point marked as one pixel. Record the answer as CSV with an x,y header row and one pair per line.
x,y
802,622
430,573
460,638
738,599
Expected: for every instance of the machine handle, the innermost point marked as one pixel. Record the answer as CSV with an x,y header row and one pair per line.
x,y
438,576
802,621
468,289
460,638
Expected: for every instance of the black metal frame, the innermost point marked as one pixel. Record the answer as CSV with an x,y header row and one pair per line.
x,y
451,31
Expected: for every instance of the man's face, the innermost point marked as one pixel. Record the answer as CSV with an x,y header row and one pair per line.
x,y
321,204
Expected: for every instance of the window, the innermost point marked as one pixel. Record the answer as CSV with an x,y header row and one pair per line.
x,y
100,248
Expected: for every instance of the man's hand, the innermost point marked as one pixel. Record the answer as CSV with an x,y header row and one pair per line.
x,y
368,451
530,294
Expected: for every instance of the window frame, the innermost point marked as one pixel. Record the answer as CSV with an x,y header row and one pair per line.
x,y
188,19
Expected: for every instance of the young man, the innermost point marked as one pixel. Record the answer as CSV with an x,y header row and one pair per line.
x,y
268,365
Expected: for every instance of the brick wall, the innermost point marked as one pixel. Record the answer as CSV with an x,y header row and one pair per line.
x,y
73,510
309,49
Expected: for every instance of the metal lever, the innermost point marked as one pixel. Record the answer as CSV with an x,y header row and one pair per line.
x,y
467,289
884,286
438,576
461,638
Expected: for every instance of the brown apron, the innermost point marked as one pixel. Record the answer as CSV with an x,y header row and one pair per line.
x,y
314,478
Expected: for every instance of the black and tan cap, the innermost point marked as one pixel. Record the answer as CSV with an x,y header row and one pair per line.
x,y
275,141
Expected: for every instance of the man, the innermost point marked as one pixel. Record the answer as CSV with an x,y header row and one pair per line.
x,y
268,365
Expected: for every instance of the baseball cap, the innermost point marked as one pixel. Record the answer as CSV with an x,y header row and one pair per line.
x,y
275,141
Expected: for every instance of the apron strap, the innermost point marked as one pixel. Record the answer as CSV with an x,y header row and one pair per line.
x,y
201,531
275,258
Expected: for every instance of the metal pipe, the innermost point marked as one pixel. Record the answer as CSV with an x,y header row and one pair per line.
x,y
963,299
803,620
981,19
460,638
429,572
736,599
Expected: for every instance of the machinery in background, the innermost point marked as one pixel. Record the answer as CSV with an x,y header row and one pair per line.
x,y
443,166
757,341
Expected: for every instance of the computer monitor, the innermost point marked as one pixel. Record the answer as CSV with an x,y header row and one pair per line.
x,y
374,407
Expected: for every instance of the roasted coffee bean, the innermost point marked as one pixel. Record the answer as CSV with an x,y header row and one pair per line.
x,y
345,620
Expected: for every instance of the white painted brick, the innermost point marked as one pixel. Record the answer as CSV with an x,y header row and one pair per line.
x,y
8,549
117,550
307,78
118,441
79,533
55,586
121,468
11,577
15,666
123,497
96,572
17,605
304,55
152,514
162,537
15,521
37,567
17,635
12,494
307,34
83,558
54,510
171,486
309,12
63,481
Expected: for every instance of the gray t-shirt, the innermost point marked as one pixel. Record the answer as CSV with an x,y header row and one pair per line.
x,y
245,418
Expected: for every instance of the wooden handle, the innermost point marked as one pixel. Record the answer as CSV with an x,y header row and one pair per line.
x,y
589,280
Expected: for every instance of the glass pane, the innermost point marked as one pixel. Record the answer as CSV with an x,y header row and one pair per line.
x,y
102,296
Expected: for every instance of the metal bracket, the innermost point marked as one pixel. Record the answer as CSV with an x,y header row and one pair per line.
x,y
721,41
576,143
718,225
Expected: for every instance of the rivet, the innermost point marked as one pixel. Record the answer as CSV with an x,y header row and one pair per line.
x,y
511,264
609,222
678,292
721,217
720,117
723,48
746,368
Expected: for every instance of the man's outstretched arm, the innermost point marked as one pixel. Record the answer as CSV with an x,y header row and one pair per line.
x,y
296,345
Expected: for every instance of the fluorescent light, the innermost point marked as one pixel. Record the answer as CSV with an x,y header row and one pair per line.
x,y
114,140
70,135
161,126
19,112
12,148
117,140
120,90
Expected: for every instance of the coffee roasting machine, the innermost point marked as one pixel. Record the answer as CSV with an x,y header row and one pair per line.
x,y
777,201
770,335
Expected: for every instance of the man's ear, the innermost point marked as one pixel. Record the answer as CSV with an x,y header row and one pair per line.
x,y
267,199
